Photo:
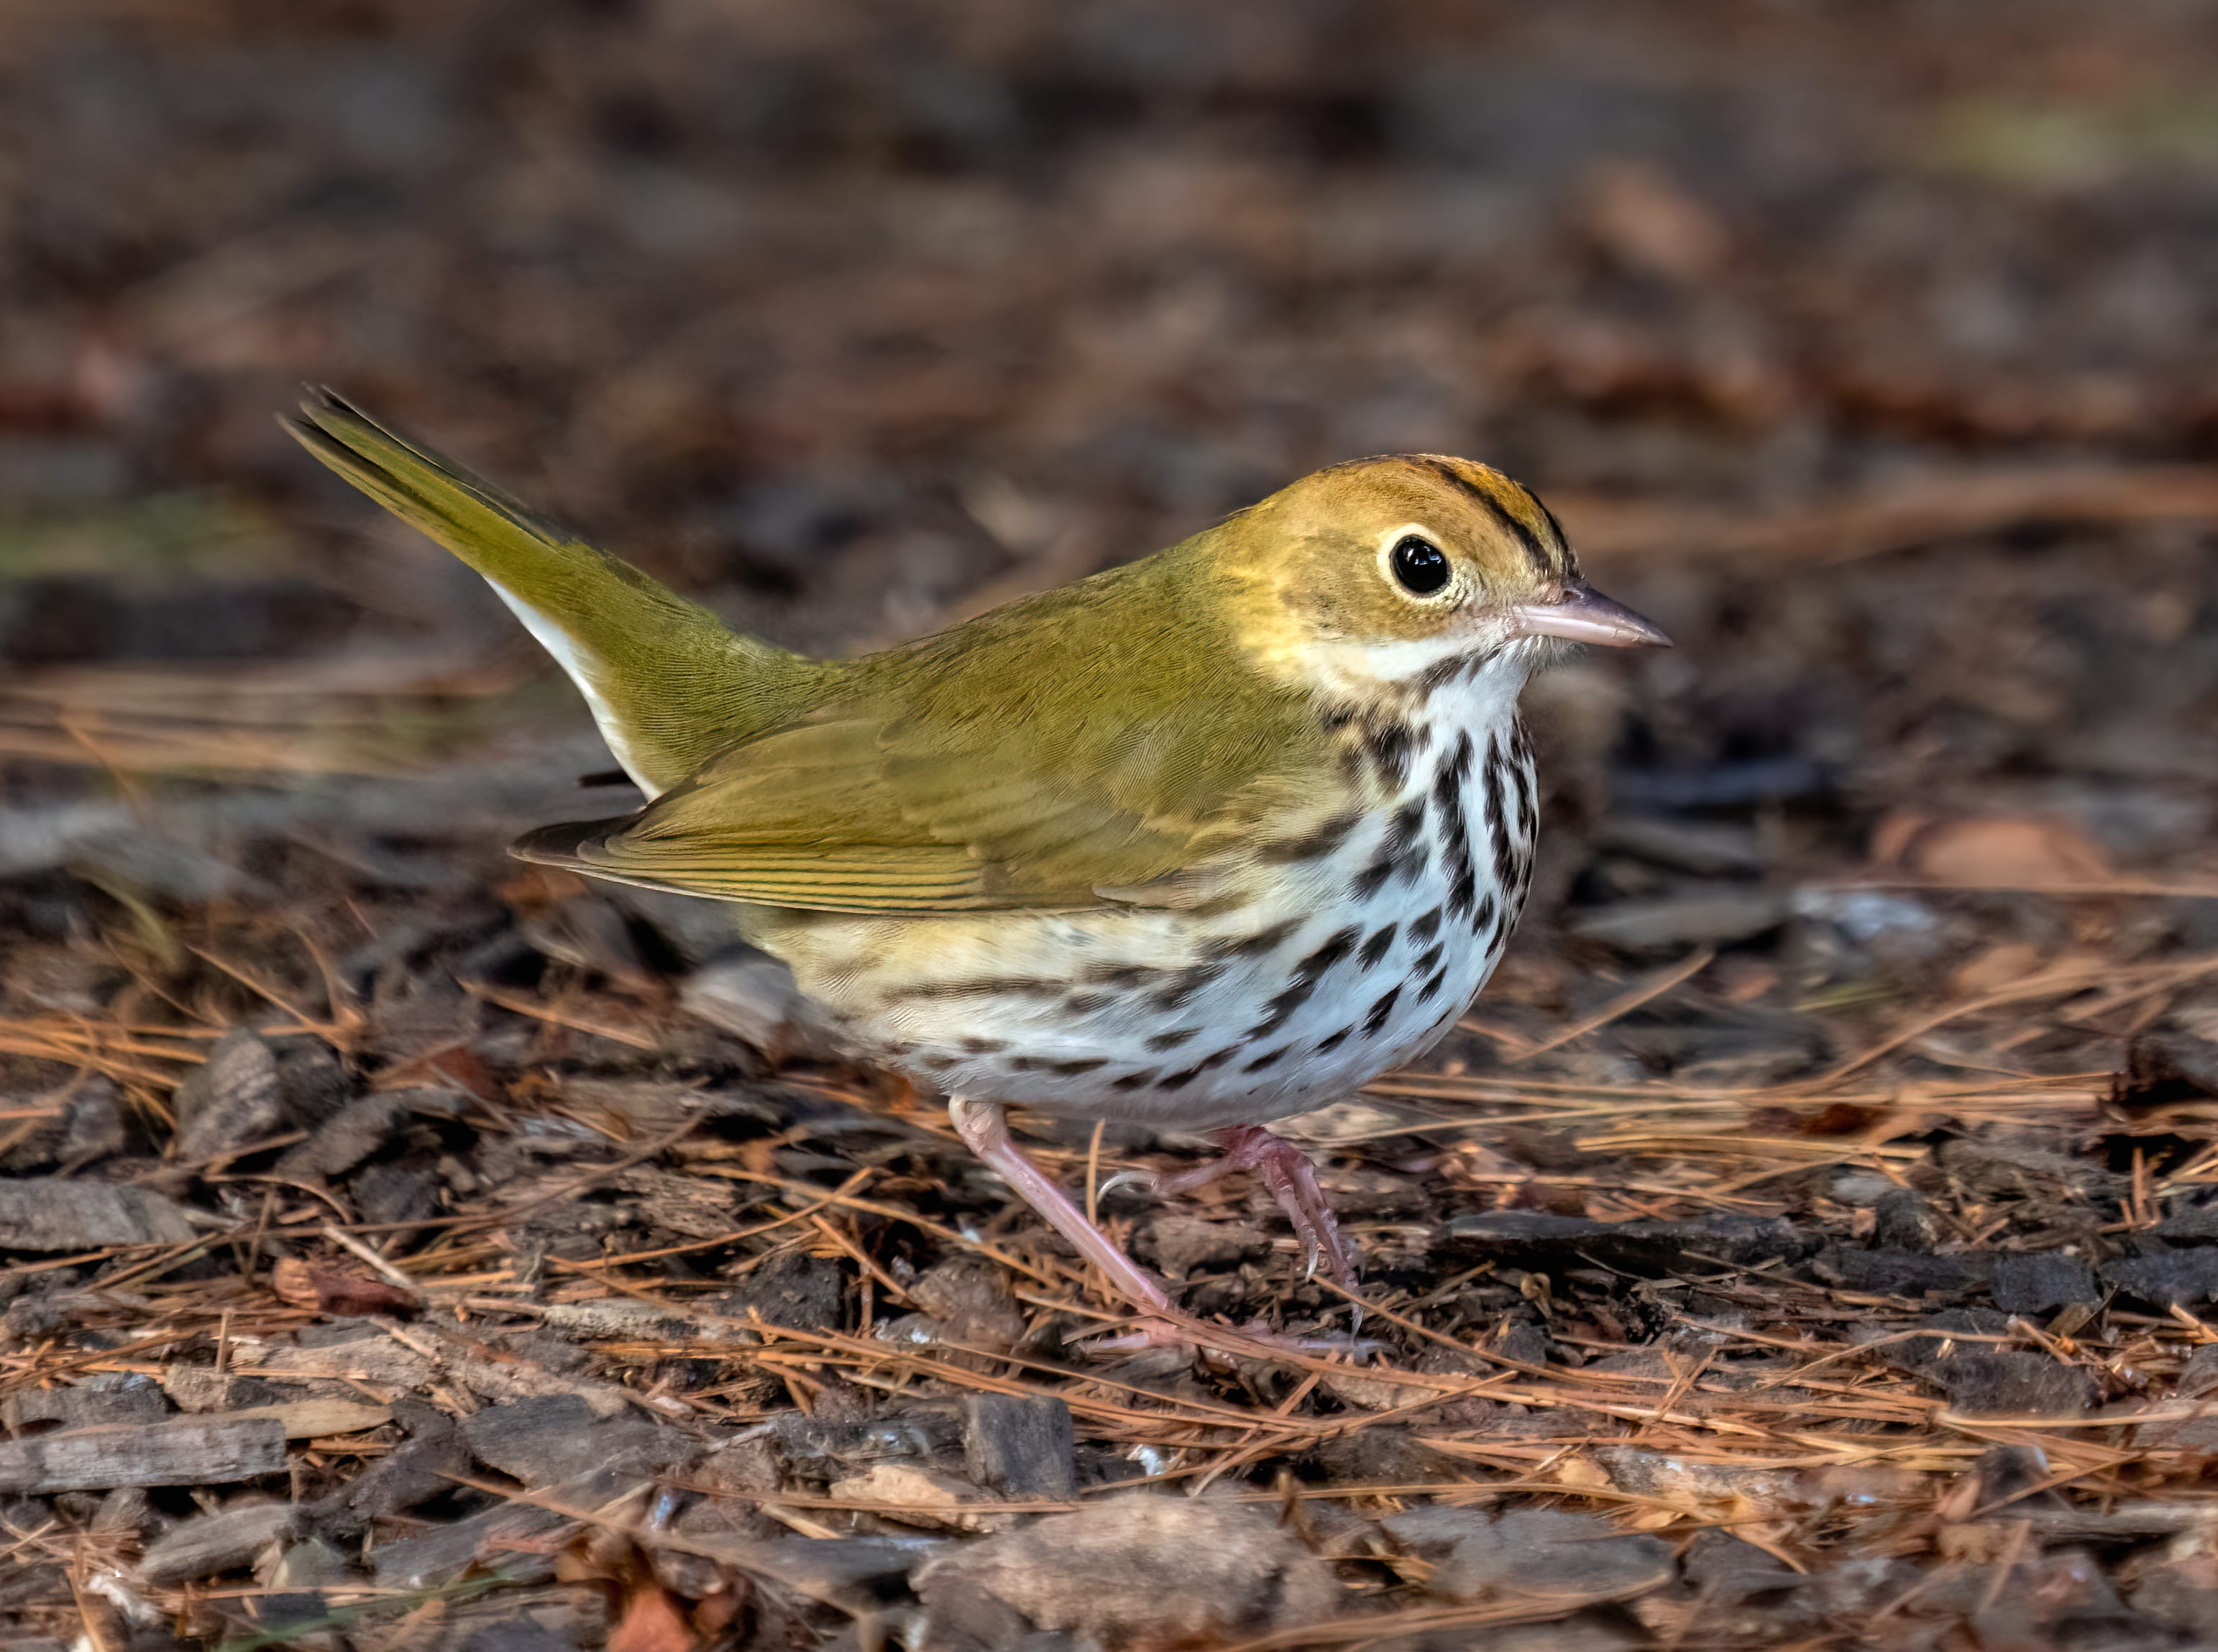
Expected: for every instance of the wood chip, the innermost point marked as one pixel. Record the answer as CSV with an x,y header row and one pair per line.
x,y
188,1452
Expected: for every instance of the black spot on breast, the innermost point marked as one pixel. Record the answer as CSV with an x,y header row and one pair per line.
x,y
1520,775
1433,985
1178,1080
1171,1040
1456,766
1307,973
1498,816
1387,745
1140,1080
1119,974
1431,958
983,1046
1426,927
1399,851
1465,890
1074,1068
1209,1062
1326,1046
1380,1011
1268,1058
1087,1003
1375,948
1322,841
1483,916
1186,985
1249,946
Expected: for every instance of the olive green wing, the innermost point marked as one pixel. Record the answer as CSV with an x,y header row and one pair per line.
x,y
1106,741
851,815
1110,740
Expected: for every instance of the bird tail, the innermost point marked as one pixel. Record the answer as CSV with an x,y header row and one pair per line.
x,y
669,682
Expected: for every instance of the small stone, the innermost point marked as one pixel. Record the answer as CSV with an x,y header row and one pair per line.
x,y
971,1303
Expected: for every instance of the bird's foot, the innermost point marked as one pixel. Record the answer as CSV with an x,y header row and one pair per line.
x,y
1293,1180
984,1129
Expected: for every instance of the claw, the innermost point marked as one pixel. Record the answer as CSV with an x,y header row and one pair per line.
x,y
1146,1180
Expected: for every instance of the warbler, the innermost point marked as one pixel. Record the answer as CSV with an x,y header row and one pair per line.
x,y
1203,841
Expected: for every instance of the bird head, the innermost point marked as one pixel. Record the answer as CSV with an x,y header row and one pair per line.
x,y
1396,571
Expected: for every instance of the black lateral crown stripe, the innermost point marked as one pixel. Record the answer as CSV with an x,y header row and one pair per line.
x,y
1501,512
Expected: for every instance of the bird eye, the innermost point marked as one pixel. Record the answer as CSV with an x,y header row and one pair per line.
x,y
1420,566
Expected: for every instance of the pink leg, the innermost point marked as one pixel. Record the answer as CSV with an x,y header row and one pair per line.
x,y
1287,1172
985,1130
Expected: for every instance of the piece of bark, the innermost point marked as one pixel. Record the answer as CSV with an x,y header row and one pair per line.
x,y
509,1537
1534,1554
912,1494
1019,1445
233,1098
361,1128
313,1418
83,1406
187,1452
208,1543
556,1437
425,1465
2033,1284
54,1213
1141,1570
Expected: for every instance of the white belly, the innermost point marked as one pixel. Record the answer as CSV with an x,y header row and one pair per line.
x,y
1346,962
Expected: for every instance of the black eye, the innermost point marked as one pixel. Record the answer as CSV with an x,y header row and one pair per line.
x,y
1419,565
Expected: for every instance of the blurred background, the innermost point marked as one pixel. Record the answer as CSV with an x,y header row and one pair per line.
x,y
1868,347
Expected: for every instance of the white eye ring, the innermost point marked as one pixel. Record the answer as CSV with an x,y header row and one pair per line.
x,y
1410,556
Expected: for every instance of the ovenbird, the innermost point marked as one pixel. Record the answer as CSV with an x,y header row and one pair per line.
x,y
1205,841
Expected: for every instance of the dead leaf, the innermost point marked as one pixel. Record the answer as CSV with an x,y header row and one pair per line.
x,y
326,1290
651,1621
1990,852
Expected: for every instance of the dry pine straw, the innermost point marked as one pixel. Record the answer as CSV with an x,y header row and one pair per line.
x,y
1820,1411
